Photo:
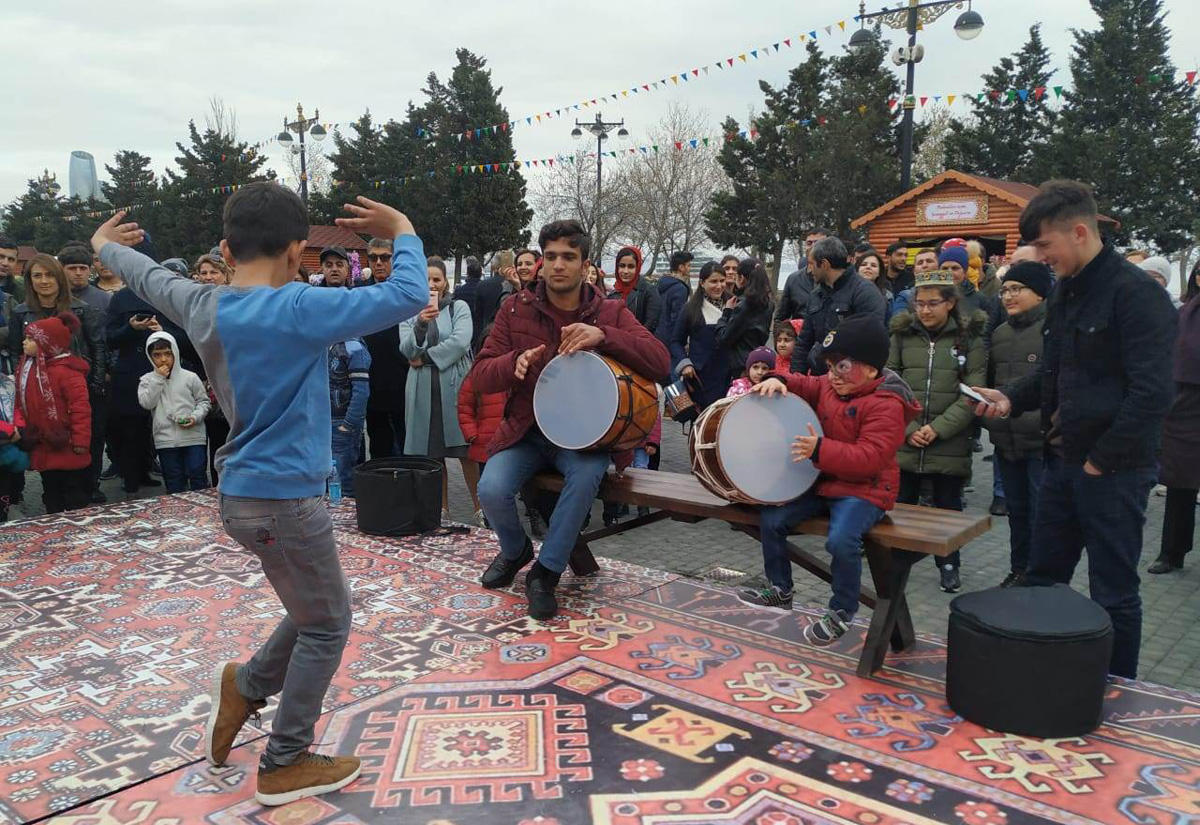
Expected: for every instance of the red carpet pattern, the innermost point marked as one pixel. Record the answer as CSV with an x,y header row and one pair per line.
x,y
648,700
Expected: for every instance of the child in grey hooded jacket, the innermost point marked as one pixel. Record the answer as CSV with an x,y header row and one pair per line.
x,y
178,402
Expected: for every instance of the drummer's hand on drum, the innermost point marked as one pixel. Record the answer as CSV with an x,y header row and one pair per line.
x,y
688,372
576,337
769,387
805,445
525,359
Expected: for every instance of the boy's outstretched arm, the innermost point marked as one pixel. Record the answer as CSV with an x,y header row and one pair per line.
x,y
332,315
170,294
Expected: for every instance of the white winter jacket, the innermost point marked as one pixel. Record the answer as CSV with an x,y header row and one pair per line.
x,y
181,395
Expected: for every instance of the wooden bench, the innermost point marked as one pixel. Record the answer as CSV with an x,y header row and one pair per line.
x,y
902,538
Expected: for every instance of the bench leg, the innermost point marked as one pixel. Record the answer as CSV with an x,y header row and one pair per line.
x,y
891,621
582,562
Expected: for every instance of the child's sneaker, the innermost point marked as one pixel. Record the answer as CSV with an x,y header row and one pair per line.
x,y
770,597
827,629
951,581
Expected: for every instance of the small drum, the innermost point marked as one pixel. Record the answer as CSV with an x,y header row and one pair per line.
x,y
741,448
587,401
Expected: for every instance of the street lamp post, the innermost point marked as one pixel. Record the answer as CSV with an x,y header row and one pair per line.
x,y
599,128
301,126
911,18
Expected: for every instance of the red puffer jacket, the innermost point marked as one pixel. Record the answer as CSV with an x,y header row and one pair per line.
x,y
53,446
524,322
857,453
479,416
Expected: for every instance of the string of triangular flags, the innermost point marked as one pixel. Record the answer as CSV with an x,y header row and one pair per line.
x,y
1012,95
190,193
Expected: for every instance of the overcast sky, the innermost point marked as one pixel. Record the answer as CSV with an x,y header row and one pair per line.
x,y
102,76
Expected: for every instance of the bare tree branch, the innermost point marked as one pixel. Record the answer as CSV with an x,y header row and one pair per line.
x,y
221,118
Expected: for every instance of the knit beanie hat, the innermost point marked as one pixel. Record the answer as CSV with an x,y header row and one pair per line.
x,y
1033,274
861,337
53,335
762,355
1157,265
958,254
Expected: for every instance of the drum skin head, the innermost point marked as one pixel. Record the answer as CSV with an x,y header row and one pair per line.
x,y
575,400
754,447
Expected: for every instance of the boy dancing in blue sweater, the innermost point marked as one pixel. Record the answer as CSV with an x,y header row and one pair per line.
x,y
274,465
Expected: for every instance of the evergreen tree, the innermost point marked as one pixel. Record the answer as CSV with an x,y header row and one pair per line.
x,y
132,183
860,158
209,171
356,166
476,211
1008,134
775,176
1129,126
39,217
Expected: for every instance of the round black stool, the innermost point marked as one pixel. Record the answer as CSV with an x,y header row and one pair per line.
x,y
1028,660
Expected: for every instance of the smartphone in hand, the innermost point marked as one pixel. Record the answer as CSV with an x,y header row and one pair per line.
x,y
970,393
434,295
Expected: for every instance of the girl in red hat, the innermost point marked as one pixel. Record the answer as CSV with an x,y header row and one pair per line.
x,y
53,397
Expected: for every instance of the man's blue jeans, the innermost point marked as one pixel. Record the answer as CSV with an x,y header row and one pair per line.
x,y
849,519
1022,479
1106,514
507,472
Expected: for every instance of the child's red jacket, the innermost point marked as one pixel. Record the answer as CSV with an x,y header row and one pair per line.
x,y
861,434
53,446
479,416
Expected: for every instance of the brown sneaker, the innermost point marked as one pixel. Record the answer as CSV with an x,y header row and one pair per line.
x,y
310,775
228,713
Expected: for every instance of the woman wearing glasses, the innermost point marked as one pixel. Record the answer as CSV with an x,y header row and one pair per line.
x,y
935,347
1016,351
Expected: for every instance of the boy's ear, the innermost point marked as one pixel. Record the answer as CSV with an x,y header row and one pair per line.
x,y
227,254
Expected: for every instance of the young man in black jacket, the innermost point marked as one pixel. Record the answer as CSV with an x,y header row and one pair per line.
x,y
1103,388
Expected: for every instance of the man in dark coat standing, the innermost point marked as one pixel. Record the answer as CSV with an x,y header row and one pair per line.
x,y
673,291
1103,388
839,293
388,372
793,301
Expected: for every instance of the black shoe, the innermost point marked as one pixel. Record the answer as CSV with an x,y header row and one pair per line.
x,y
610,519
999,506
951,581
149,482
643,512
1013,579
98,497
770,597
501,571
990,458
110,472
1164,565
539,590
827,629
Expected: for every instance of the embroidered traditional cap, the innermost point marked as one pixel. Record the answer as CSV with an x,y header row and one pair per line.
x,y
935,277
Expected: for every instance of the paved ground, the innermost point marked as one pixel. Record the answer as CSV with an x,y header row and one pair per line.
x,y
1171,644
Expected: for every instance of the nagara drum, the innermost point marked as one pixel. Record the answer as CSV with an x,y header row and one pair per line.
x,y
741,448
588,401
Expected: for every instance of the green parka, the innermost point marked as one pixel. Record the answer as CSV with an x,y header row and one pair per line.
x,y
934,364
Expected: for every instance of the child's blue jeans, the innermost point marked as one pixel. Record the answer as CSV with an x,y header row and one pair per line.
x,y
849,519
184,468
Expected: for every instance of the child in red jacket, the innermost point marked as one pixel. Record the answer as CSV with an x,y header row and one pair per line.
x,y
863,410
52,396
479,416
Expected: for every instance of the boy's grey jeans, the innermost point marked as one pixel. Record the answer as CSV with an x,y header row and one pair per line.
x,y
293,538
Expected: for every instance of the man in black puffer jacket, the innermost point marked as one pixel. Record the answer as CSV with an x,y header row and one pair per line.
x,y
840,292
1103,388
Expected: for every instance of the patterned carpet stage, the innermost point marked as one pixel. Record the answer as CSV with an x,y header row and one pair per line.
x,y
649,700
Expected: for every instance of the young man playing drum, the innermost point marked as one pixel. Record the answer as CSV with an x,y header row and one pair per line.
x,y
560,314
863,410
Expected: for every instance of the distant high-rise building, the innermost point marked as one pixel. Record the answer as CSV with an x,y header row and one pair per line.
x,y
83,183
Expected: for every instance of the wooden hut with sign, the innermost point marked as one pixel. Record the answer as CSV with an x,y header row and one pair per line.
x,y
320,237
954,205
